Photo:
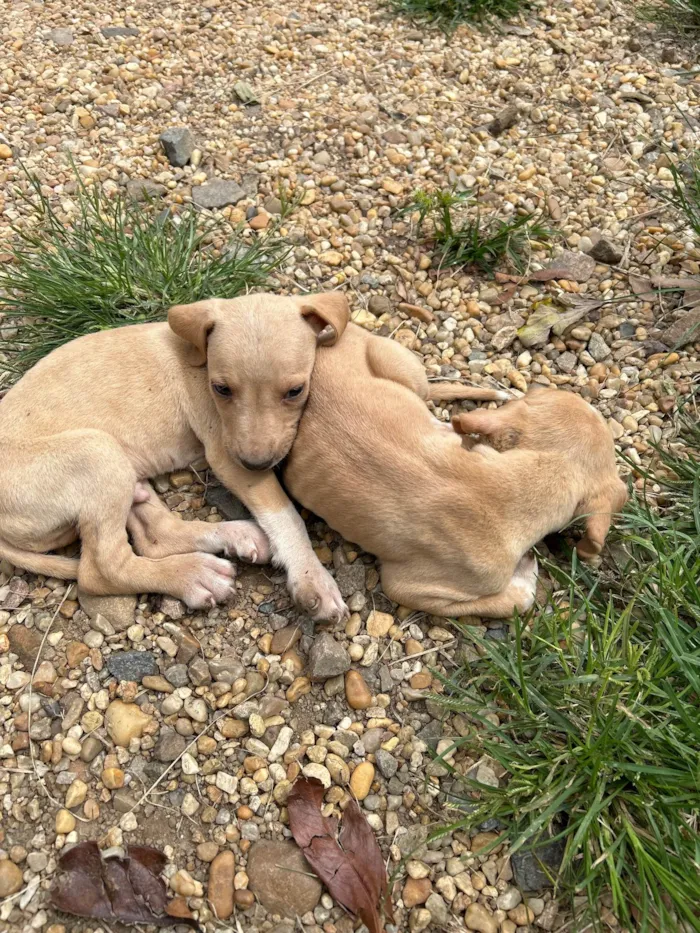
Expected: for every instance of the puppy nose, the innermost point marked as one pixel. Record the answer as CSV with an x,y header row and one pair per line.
x,y
258,465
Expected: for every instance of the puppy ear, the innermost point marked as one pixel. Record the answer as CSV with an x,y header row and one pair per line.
x,y
598,513
194,323
476,422
328,314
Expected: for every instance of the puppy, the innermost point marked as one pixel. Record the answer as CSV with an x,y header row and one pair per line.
x,y
450,517
84,429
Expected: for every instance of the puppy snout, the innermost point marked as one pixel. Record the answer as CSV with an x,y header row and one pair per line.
x,y
258,465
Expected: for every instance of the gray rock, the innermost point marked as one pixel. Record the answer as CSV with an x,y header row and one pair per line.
x,y
199,672
177,675
143,189
576,267
598,348
504,120
431,734
178,144
566,362
327,658
685,330
439,911
132,665
217,193
537,868
379,304
413,841
119,610
606,251
281,879
62,37
117,32
171,607
226,669
386,763
170,745
351,578
371,740
226,504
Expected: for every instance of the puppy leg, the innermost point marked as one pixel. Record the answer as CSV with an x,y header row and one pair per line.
x,y
313,589
85,478
517,596
157,532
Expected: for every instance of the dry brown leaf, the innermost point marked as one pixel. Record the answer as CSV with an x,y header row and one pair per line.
x,y
351,866
129,889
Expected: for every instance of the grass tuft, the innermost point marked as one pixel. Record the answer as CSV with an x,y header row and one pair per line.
x,y
597,699
678,15
117,263
685,196
481,243
448,14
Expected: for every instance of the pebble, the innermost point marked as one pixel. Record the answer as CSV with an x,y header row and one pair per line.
x,y
416,891
361,779
220,887
379,623
65,822
132,665
480,919
10,878
357,693
124,722
76,794
327,658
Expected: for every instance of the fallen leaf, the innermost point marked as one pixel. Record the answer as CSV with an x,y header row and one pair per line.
x,y
245,93
351,865
129,889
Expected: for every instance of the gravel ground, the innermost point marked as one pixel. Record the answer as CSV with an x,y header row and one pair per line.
x,y
132,721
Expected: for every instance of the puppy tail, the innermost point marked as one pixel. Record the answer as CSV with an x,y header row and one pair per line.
x,y
452,391
48,565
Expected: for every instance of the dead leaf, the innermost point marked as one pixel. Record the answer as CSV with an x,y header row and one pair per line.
x,y
129,889
351,866
574,267
245,93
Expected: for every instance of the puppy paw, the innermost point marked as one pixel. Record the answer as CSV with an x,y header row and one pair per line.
x,y
244,540
315,592
206,580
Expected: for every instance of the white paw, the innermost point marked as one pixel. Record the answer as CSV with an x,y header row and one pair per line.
x,y
525,582
315,592
244,540
208,580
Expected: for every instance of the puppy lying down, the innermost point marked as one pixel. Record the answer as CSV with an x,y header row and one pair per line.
x,y
450,511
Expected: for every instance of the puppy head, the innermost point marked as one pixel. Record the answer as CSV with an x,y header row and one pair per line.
x,y
259,352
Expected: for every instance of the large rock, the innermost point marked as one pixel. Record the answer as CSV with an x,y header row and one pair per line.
x,y
281,878
538,868
351,578
226,504
685,330
119,610
132,665
178,144
24,642
327,658
217,193
606,251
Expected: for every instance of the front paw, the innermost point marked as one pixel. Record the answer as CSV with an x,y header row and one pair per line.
x,y
315,592
244,540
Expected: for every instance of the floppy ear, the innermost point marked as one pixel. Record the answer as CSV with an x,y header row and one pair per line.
x,y
328,314
194,323
599,513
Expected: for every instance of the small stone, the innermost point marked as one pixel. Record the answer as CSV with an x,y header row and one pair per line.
x,y
132,665
504,120
169,746
598,348
178,144
25,644
416,891
119,32
62,37
143,189
480,919
320,772
285,638
217,194
91,748
65,822
509,899
327,658
386,763
5,152
280,877
124,722
196,709
606,251
419,919
76,794
379,623
412,647
10,878
76,652
220,888
357,693
113,778
361,779
118,610
157,683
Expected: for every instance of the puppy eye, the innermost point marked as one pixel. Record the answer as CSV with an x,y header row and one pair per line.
x,y
222,390
294,393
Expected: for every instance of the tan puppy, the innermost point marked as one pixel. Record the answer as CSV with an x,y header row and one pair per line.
x,y
451,525
227,379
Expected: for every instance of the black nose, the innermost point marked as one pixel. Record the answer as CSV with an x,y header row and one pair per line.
x,y
257,465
